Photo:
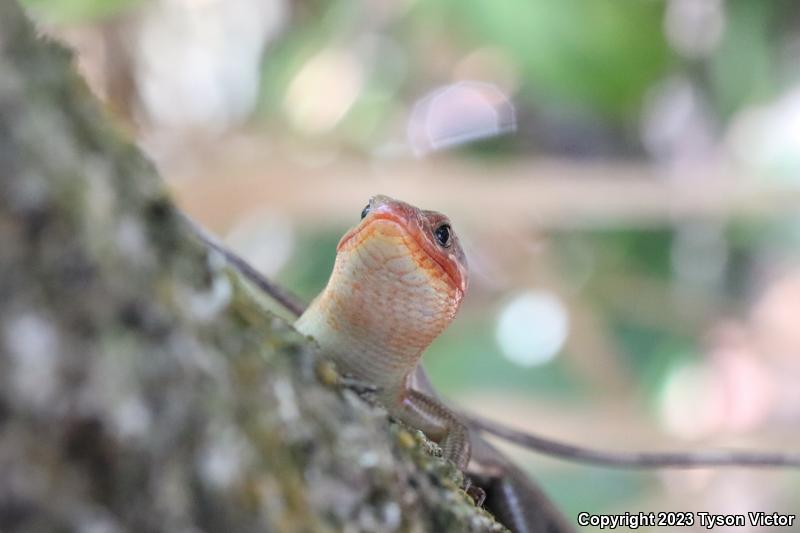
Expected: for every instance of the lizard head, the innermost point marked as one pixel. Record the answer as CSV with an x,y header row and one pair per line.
x,y
397,229
398,281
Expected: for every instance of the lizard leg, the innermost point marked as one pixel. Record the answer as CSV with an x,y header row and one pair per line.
x,y
439,423
477,494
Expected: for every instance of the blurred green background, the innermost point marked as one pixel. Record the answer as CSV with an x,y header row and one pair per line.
x,y
625,175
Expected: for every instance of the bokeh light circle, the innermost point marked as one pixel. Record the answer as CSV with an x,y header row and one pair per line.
x,y
532,328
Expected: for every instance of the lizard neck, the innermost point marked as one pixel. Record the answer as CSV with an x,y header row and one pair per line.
x,y
377,315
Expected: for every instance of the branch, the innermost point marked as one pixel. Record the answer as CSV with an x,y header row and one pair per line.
x,y
616,459
535,193
140,388
289,301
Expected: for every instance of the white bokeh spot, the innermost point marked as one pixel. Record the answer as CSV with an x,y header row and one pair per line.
x,y
532,328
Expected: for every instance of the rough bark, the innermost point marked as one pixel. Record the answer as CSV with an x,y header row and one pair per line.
x,y
140,389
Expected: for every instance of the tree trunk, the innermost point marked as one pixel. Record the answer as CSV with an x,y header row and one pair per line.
x,y
140,388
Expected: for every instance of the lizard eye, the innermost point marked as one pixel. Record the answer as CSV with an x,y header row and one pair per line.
x,y
364,212
442,234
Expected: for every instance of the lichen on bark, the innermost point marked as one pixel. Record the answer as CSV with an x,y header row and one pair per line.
x,y
140,388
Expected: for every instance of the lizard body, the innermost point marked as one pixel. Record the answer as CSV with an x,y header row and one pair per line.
x,y
397,283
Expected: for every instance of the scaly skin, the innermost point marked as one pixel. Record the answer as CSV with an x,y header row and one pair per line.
x,y
394,288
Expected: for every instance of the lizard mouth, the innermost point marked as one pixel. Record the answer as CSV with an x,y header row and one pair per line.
x,y
406,221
